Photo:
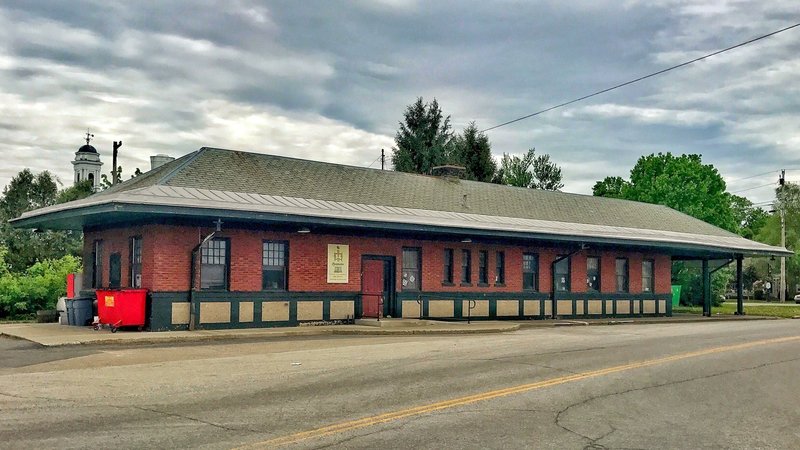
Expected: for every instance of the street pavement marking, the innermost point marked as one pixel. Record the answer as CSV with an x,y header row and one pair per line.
x,y
489,395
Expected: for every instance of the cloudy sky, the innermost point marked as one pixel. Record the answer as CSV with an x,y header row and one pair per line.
x,y
329,80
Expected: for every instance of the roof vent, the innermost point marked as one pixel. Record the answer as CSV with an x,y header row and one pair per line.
x,y
159,160
449,171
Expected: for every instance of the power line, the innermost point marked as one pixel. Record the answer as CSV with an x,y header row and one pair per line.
x,y
373,162
742,44
752,188
753,176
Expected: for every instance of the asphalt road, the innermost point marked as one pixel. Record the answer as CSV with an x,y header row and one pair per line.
x,y
714,385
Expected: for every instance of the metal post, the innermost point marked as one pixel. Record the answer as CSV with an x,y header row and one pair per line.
x,y
383,159
706,289
739,286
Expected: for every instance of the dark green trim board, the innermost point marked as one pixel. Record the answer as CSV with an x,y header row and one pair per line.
x,y
161,310
160,305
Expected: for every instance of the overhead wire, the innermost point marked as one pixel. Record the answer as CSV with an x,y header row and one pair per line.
x,y
753,188
636,80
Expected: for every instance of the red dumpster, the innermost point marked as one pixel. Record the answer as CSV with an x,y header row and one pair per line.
x,y
121,307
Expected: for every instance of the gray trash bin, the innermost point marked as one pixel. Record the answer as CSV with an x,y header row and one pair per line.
x,y
70,311
82,311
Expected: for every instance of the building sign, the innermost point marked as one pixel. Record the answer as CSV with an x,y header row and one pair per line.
x,y
338,263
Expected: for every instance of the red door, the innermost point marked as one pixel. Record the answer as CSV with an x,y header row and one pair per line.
x,y
371,287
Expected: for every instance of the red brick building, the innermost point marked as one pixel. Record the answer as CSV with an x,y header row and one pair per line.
x,y
231,239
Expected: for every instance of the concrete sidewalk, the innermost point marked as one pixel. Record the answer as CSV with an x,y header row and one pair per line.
x,y
55,335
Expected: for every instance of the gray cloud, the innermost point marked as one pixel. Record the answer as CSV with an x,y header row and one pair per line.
x,y
329,80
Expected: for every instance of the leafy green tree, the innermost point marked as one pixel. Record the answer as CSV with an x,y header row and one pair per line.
x,y
26,192
424,139
529,170
750,219
609,187
788,200
25,247
81,189
472,150
516,170
681,182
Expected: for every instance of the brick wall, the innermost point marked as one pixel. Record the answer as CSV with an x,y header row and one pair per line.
x,y
166,259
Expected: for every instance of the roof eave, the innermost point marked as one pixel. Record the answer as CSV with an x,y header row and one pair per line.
x,y
114,211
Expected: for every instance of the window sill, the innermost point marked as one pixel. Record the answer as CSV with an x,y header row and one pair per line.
x,y
483,284
499,285
465,284
446,283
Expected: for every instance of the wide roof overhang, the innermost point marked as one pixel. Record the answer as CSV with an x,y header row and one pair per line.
x,y
162,203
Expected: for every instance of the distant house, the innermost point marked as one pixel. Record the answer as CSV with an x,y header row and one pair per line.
x,y
224,238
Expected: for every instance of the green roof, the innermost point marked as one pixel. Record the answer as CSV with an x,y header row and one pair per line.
x,y
244,186
245,172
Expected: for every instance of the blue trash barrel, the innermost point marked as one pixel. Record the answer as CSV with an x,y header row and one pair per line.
x,y
82,308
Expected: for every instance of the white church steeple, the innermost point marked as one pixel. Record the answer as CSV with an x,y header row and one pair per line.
x,y
87,163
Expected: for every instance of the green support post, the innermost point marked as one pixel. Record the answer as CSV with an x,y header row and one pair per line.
x,y
706,289
739,286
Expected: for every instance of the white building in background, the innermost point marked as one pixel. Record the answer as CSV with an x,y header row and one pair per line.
x,y
87,164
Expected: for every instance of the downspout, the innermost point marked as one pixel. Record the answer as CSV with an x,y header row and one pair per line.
x,y
553,277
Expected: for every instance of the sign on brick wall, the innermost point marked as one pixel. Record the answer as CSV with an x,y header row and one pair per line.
x,y
338,263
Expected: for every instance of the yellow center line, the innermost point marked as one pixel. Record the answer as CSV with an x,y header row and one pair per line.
x,y
461,401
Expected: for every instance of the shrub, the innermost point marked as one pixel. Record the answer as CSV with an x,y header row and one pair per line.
x,y
39,287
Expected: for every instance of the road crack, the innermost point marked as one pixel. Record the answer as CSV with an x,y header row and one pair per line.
x,y
593,442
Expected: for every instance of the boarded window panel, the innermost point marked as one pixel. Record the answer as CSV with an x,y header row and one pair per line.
x,y
622,274
593,273
447,275
647,276
500,269
562,275
466,266
136,262
483,267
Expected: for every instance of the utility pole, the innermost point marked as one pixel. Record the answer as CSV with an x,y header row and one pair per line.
x,y
383,159
781,183
114,174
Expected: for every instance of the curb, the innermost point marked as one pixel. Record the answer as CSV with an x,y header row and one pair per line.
x,y
169,340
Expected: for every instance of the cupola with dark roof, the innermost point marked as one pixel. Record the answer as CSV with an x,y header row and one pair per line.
x,y
87,163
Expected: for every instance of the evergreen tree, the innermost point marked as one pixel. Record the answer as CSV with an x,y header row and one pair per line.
x,y
473,151
424,139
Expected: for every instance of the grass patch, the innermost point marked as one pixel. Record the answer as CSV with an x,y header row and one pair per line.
x,y
788,311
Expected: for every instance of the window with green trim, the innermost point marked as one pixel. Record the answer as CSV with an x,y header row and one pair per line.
x,y
274,265
214,259
530,271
